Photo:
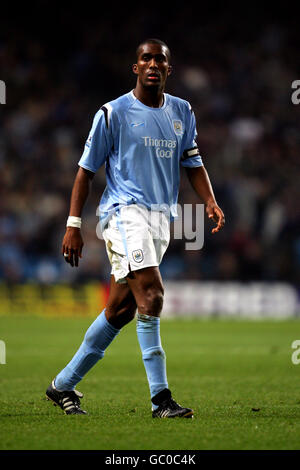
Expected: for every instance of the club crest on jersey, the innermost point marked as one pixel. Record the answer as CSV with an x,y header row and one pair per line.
x,y
177,126
138,256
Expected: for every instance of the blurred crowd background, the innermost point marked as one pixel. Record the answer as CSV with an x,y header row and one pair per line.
x,y
61,63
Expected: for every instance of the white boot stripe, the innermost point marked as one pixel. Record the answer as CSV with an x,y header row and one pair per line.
x,y
67,404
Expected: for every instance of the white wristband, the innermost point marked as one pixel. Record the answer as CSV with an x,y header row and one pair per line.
x,y
74,221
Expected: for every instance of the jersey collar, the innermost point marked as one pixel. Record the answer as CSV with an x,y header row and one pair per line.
x,y
149,107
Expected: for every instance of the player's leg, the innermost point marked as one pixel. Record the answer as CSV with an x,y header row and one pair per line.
x,y
120,310
121,305
99,335
147,286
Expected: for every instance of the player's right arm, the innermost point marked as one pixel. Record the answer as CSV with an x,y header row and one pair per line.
x,y
97,148
72,242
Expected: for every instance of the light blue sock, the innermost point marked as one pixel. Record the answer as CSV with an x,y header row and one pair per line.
x,y
97,338
148,332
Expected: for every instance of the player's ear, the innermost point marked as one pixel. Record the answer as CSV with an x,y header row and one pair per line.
x,y
135,69
170,69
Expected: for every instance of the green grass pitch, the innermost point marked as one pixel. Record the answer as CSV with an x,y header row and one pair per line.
x,y
224,369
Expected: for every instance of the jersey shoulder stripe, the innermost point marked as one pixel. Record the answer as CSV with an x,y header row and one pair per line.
x,y
122,103
107,109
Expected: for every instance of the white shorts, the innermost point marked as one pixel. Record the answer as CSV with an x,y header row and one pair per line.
x,y
135,238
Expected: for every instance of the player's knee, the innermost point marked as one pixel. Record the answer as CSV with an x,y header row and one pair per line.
x,y
127,313
152,302
121,315
127,310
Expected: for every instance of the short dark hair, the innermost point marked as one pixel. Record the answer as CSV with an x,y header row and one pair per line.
x,y
154,41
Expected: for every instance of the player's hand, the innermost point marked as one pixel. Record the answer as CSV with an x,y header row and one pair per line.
x,y
215,213
72,246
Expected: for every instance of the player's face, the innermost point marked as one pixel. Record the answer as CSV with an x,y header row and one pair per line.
x,y
152,65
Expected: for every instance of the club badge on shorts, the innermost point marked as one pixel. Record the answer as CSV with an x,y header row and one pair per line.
x,y
138,256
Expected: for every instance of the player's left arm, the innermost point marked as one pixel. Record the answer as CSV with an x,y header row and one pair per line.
x,y
200,181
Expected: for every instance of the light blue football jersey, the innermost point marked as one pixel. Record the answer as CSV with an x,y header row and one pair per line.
x,y
142,148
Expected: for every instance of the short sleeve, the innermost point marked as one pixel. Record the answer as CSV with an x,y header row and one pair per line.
x,y
191,156
98,144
